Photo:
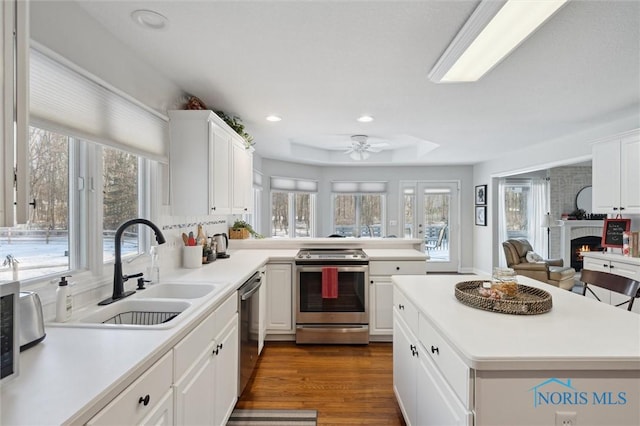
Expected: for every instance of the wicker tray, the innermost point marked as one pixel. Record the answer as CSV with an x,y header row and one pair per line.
x,y
529,301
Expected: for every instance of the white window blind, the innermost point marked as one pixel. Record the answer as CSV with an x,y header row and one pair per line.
x,y
65,99
292,184
359,187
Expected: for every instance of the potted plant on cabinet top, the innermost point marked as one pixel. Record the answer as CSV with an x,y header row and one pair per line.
x,y
241,230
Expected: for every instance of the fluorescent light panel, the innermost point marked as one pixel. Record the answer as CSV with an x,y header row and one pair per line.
x,y
493,31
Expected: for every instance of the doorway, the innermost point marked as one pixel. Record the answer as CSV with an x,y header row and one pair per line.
x,y
432,215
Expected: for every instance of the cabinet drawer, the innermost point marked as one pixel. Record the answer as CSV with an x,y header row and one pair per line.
x,y
452,368
402,267
129,407
225,312
405,309
190,348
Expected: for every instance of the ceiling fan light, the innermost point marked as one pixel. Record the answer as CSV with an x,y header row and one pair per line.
x,y
365,119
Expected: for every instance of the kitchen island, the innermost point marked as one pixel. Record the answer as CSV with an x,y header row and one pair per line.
x,y
454,364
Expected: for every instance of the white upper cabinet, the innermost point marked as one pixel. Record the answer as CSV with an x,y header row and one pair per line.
x,y
616,175
211,170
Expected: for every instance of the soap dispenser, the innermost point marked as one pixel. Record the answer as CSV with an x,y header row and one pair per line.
x,y
153,271
64,302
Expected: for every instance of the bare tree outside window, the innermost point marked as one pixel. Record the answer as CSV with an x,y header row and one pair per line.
x,y
358,215
120,200
303,214
279,214
292,206
517,208
41,247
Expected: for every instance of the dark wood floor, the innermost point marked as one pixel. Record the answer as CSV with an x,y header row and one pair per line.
x,y
347,385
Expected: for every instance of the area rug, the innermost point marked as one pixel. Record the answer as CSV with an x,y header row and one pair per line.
x,y
273,417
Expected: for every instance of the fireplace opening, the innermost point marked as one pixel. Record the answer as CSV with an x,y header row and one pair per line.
x,y
583,244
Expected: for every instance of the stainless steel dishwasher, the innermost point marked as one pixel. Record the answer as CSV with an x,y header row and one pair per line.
x,y
249,303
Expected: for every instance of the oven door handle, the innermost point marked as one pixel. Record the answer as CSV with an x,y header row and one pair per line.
x,y
255,286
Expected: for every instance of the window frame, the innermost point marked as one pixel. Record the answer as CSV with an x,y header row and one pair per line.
x,y
358,211
291,200
85,206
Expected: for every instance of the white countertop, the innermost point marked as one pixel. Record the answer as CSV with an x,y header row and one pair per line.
x,y
72,373
578,333
612,257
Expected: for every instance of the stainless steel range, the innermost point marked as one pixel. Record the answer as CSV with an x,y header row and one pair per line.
x,y
332,296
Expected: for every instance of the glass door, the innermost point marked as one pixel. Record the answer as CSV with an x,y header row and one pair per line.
x,y
437,223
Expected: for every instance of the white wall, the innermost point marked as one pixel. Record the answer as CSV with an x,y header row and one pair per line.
x,y
390,174
556,152
68,30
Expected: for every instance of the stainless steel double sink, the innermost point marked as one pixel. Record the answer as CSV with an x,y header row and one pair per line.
x,y
159,306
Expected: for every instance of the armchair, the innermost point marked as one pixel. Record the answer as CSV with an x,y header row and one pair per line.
x,y
550,271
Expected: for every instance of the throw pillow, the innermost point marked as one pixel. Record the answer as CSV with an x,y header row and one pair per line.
x,y
533,257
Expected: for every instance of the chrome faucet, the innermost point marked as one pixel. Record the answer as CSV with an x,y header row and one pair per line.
x,y
118,278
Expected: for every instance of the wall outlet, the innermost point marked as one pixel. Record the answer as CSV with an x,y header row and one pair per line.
x,y
566,418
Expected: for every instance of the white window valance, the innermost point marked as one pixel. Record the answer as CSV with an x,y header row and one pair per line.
x,y
65,98
359,187
293,184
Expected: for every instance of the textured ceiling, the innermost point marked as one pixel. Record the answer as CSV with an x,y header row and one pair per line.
x,y
321,64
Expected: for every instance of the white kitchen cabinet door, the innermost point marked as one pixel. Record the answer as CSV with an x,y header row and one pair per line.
x,y
616,175
404,369
381,306
140,399
606,176
436,404
194,392
220,176
226,372
242,179
279,298
630,174
162,414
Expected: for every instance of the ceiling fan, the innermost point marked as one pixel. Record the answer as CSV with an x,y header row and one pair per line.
x,y
361,149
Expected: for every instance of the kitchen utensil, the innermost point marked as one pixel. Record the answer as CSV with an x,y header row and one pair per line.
x,y
192,240
185,239
31,320
200,237
222,243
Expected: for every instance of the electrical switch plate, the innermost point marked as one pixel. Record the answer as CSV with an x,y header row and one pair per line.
x,y
566,418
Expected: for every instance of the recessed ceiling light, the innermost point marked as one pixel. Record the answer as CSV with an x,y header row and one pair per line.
x,y
149,19
365,119
273,118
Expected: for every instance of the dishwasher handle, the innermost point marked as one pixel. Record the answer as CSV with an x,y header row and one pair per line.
x,y
249,288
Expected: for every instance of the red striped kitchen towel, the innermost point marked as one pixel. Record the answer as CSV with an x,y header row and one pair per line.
x,y
329,282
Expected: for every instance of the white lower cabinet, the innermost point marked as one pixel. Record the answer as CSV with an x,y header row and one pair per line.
x,y
194,389
226,372
280,299
430,382
436,405
404,370
381,315
616,264
381,291
143,400
195,383
162,414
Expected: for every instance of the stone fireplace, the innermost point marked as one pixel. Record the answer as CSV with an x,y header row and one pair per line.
x,y
578,233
